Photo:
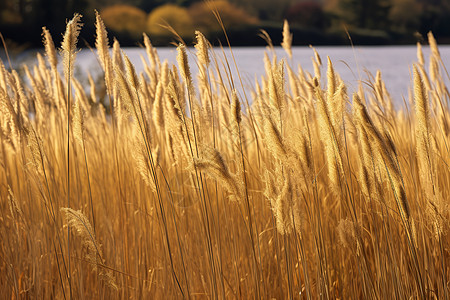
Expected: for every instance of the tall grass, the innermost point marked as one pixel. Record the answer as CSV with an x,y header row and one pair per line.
x,y
182,189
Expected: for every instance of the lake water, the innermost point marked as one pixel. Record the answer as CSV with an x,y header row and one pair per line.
x,y
353,64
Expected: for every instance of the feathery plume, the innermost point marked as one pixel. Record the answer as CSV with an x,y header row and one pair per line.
x,y
337,106
282,208
158,107
117,56
50,50
367,167
276,88
183,64
14,206
439,212
433,46
423,120
92,88
420,54
331,80
80,223
287,39
213,164
235,108
126,92
316,56
202,49
68,46
131,73
349,233
36,148
384,157
102,45
274,139
151,53
78,123
141,158
329,138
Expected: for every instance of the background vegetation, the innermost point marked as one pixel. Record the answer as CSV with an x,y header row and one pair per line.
x,y
312,21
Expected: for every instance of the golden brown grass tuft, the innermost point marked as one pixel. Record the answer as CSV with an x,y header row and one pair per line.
x,y
210,189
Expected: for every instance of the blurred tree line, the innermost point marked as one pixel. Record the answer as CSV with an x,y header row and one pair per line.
x,y
312,21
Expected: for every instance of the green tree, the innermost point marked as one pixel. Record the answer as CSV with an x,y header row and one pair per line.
x,y
9,13
368,14
405,15
435,16
25,18
308,14
265,10
101,4
149,5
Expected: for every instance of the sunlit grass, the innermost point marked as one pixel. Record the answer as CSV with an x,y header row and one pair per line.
x,y
171,187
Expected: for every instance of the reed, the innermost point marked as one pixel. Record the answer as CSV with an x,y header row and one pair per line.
x,y
170,187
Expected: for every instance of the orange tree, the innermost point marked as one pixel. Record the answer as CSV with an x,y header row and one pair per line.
x,y
173,15
124,19
231,15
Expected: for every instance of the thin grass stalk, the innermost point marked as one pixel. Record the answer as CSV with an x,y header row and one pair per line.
x,y
180,245
140,118
69,51
316,218
247,107
79,134
50,213
204,61
184,67
237,118
299,243
352,208
250,220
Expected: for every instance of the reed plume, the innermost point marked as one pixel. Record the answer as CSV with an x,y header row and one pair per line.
x,y
102,45
69,45
78,123
202,49
158,107
274,139
423,129
308,181
287,39
331,80
36,148
184,68
349,235
236,116
50,50
420,57
383,157
143,164
433,46
78,221
329,138
213,164
152,54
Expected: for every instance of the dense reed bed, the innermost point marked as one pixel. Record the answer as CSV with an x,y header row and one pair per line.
x,y
168,184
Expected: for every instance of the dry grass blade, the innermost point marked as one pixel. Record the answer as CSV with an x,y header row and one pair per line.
x,y
163,155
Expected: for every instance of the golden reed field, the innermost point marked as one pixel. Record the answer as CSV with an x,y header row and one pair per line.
x,y
170,185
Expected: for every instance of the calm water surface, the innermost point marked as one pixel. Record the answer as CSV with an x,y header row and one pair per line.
x,y
394,62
